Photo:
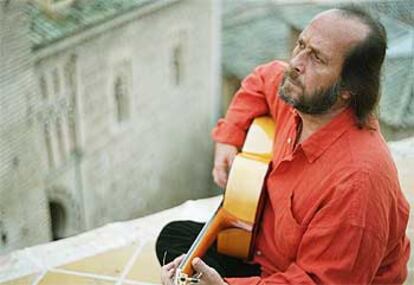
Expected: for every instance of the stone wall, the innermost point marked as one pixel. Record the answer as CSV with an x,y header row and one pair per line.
x,y
147,148
108,124
24,218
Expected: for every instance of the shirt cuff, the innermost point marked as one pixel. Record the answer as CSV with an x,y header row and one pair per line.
x,y
228,133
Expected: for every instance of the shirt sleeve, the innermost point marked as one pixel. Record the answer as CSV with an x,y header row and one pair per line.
x,y
252,100
338,247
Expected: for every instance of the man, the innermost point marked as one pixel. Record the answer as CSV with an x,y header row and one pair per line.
x,y
334,212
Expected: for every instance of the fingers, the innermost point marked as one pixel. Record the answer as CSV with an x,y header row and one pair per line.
x,y
166,275
177,260
220,175
208,274
168,270
200,266
223,159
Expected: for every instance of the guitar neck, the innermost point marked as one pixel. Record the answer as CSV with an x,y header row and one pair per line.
x,y
205,239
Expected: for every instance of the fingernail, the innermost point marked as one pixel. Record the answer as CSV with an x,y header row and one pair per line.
x,y
195,260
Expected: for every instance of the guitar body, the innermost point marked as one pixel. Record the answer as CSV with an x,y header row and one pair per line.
x,y
234,224
243,195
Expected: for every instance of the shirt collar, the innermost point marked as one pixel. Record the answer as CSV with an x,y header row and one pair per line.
x,y
322,139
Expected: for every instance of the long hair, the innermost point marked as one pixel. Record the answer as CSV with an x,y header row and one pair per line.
x,y
361,71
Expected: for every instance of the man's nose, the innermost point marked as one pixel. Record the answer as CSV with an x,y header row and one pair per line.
x,y
297,63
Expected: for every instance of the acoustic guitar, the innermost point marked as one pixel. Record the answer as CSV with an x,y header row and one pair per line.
x,y
234,223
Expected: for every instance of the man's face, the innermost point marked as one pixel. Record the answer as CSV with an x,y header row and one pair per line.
x,y
312,82
318,102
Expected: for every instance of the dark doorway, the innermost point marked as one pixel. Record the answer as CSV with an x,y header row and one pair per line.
x,y
58,220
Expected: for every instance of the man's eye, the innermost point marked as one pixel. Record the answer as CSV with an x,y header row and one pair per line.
x,y
301,44
316,57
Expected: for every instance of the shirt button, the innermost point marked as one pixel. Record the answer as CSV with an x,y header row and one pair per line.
x,y
289,140
259,253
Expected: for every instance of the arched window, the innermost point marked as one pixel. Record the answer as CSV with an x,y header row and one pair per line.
x,y
69,72
48,143
56,83
43,87
121,99
177,65
61,139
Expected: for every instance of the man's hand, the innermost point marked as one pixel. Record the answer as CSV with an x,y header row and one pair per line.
x,y
209,276
168,271
223,158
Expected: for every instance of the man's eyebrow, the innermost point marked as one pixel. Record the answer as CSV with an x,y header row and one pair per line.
x,y
314,49
319,53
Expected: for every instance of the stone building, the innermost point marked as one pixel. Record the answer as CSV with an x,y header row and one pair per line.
x,y
123,94
24,217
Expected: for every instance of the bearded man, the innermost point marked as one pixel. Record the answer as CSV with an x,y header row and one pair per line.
x,y
334,212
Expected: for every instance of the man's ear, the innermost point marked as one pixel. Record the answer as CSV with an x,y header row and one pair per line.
x,y
346,95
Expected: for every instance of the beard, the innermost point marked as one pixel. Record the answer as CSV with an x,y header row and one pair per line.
x,y
316,103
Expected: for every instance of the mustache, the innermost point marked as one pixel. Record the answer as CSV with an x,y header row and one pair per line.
x,y
292,75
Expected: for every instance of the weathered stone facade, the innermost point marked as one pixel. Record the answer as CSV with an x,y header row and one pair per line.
x,y
123,113
24,217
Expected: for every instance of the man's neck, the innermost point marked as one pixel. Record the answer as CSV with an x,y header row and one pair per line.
x,y
311,123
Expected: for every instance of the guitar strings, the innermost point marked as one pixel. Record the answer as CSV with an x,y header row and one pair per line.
x,y
164,258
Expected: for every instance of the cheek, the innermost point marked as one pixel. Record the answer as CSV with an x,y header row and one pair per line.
x,y
317,79
309,83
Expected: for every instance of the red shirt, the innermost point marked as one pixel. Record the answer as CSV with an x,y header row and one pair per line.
x,y
335,213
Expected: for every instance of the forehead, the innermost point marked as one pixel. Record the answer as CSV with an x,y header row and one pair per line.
x,y
333,34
